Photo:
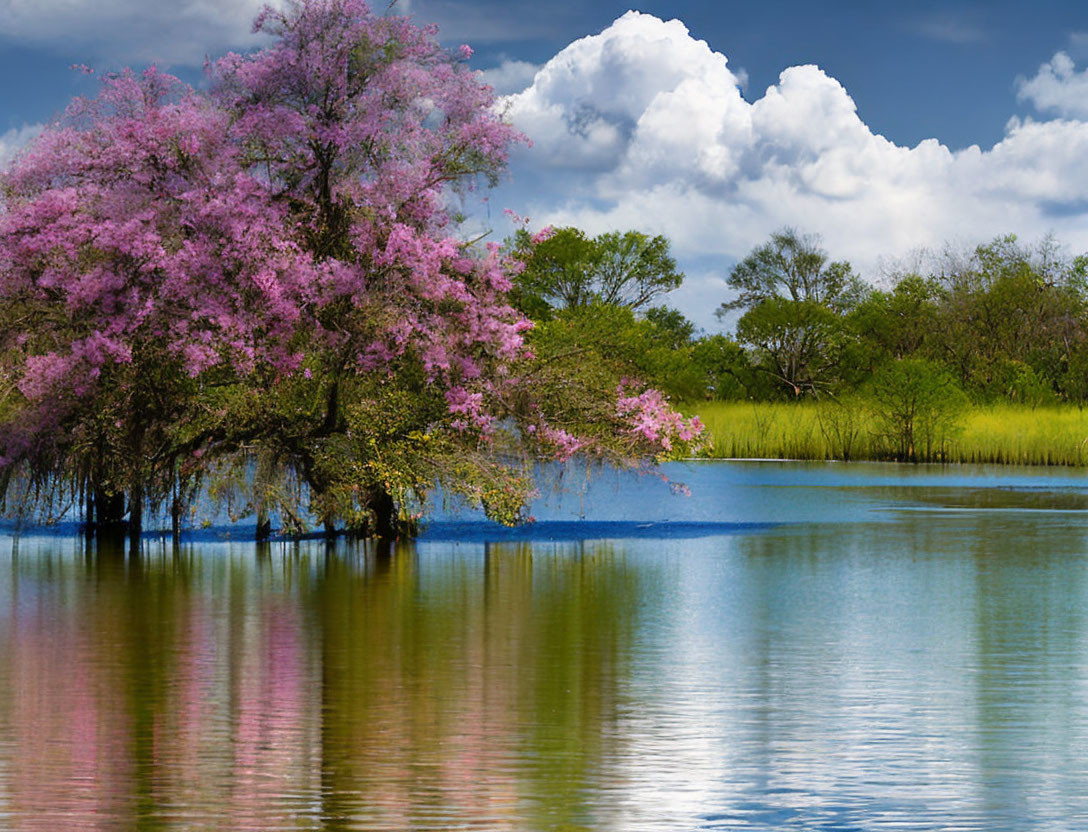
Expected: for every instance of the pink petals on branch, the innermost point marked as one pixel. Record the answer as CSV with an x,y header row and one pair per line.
x,y
292,217
650,418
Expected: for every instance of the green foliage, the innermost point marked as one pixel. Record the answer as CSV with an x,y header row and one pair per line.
x,y
799,343
792,265
795,301
1019,383
558,273
610,342
1007,303
1071,379
569,269
670,327
355,444
898,323
128,444
726,368
916,406
1008,321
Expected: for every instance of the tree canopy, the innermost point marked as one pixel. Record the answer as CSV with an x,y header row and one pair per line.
x,y
792,265
794,300
568,269
265,274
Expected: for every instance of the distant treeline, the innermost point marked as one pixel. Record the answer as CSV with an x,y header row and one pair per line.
x,y
1003,323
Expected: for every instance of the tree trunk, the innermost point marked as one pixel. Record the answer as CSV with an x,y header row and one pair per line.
x,y
175,519
135,518
109,509
332,410
385,514
264,524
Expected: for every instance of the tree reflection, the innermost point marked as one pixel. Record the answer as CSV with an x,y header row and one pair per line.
x,y
342,688
471,687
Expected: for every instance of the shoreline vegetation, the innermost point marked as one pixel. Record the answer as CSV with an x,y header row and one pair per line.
x,y
995,434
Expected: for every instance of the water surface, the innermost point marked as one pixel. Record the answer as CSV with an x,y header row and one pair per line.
x,y
814,647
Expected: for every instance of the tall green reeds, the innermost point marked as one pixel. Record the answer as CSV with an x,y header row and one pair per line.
x,y
1002,434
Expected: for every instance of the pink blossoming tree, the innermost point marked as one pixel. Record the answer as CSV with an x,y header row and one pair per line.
x,y
139,265
265,277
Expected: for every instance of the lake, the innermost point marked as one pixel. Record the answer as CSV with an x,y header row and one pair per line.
x,y
793,646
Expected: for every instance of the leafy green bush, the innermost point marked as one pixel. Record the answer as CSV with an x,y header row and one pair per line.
x,y
916,406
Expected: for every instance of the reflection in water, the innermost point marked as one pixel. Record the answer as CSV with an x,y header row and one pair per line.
x,y
921,667
333,688
925,674
1029,629
478,687
135,694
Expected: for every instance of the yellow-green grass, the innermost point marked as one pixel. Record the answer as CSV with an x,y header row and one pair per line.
x,y
1003,434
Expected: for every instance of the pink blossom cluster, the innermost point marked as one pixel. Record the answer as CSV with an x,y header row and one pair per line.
x,y
546,233
130,224
565,444
649,417
318,102
292,216
469,408
295,211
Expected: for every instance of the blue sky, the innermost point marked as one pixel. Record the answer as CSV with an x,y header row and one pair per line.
x,y
887,126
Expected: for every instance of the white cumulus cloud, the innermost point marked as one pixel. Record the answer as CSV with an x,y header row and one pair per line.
x,y
164,31
1057,88
643,126
510,76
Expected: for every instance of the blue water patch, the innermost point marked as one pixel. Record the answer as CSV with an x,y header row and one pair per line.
x,y
707,498
482,532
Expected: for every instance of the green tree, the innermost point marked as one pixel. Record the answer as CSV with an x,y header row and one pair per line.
x,y
898,323
726,369
793,266
670,327
604,344
794,301
570,269
1006,302
916,406
797,343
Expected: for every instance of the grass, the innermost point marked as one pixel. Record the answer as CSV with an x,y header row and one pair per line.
x,y
1002,434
